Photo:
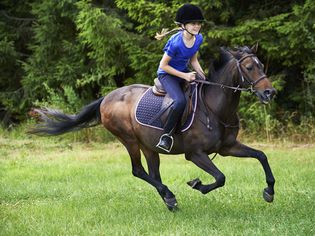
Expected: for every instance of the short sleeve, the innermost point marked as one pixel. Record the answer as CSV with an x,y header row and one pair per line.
x,y
199,39
170,48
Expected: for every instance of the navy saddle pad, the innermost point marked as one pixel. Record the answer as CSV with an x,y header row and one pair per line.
x,y
149,105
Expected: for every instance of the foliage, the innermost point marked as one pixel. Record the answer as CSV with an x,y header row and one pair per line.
x,y
66,53
15,33
101,35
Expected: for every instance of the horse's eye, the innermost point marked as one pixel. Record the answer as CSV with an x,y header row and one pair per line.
x,y
249,67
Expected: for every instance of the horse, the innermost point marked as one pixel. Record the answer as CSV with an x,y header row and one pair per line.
x,y
214,129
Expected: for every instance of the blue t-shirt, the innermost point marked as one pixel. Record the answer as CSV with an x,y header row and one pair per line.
x,y
180,54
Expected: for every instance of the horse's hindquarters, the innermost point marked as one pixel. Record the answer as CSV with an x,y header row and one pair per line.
x,y
117,110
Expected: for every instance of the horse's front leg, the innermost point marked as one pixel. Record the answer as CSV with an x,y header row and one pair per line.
x,y
202,160
241,150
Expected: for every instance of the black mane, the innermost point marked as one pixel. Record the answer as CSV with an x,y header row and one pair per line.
x,y
226,56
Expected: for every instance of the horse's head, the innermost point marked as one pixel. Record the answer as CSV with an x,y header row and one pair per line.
x,y
251,73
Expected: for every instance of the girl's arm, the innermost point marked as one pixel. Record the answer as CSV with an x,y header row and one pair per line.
x,y
196,66
170,70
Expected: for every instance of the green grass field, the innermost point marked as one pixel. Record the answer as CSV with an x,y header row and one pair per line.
x,y
49,187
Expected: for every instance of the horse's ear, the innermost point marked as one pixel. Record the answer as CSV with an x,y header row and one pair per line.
x,y
254,48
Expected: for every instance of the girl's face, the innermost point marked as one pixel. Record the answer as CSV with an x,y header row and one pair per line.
x,y
193,27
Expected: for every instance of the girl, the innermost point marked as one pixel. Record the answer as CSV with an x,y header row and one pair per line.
x,y
180,51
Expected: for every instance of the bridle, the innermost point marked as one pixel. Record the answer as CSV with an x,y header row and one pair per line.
x,y
240,70
251,83
207,110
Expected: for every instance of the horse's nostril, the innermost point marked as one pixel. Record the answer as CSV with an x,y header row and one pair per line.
x,y
269,93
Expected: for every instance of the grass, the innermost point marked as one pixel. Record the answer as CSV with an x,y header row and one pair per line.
x,y
51,187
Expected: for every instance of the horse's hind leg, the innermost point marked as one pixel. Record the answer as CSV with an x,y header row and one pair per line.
x,y
241,150
153,161
203,161
139,171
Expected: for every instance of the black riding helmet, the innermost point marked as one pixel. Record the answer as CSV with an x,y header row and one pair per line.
x,y
188,13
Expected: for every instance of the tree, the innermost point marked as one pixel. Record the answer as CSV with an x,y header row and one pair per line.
x,y
15,22
68,52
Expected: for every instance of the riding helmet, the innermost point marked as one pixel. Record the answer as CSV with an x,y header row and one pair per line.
x,y
188,13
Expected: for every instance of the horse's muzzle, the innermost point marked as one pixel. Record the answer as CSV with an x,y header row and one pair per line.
x,y
265,96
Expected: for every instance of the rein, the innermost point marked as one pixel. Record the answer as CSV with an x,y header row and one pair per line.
x,y
201,81
207,111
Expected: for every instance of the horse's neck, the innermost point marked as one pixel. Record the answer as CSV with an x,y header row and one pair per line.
x,y
223,101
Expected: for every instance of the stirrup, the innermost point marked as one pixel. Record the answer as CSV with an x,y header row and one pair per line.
x,y
160,142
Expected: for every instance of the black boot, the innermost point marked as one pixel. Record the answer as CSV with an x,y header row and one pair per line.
x,y
166,140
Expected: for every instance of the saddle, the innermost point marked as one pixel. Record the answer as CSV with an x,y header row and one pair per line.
x,y
152,110
158,90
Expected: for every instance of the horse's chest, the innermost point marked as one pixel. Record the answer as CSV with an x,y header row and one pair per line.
x,y
216,136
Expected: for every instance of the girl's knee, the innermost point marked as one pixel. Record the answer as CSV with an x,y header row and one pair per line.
x,y
180,105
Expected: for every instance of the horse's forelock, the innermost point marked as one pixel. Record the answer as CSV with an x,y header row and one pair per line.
x,y
240,51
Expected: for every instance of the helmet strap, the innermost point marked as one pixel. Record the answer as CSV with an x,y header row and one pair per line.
x,y
184,28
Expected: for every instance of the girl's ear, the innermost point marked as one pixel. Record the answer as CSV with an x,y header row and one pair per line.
x,y
254,48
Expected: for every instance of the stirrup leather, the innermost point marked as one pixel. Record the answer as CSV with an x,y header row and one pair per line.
x,y
161,147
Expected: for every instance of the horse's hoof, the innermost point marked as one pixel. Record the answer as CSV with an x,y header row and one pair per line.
x,y
267,196
171,203
194,183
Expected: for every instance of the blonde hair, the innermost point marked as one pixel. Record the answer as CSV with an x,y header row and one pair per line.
x,y
165,32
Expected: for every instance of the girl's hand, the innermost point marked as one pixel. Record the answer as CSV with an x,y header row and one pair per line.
x,y
202,76
191,76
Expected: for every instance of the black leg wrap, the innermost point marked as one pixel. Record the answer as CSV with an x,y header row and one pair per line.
x,y
195,183
267,196
171,203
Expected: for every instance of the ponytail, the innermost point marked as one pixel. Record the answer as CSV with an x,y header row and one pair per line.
x,y
165,32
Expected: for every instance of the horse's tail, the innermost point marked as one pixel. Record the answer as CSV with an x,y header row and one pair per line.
x,y
54,122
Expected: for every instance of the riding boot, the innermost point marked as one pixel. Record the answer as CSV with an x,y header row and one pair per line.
x,y
166,140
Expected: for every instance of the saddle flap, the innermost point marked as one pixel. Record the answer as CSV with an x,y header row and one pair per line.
x,y
168,101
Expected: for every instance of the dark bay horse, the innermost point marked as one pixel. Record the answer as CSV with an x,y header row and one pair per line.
x,y
214,129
